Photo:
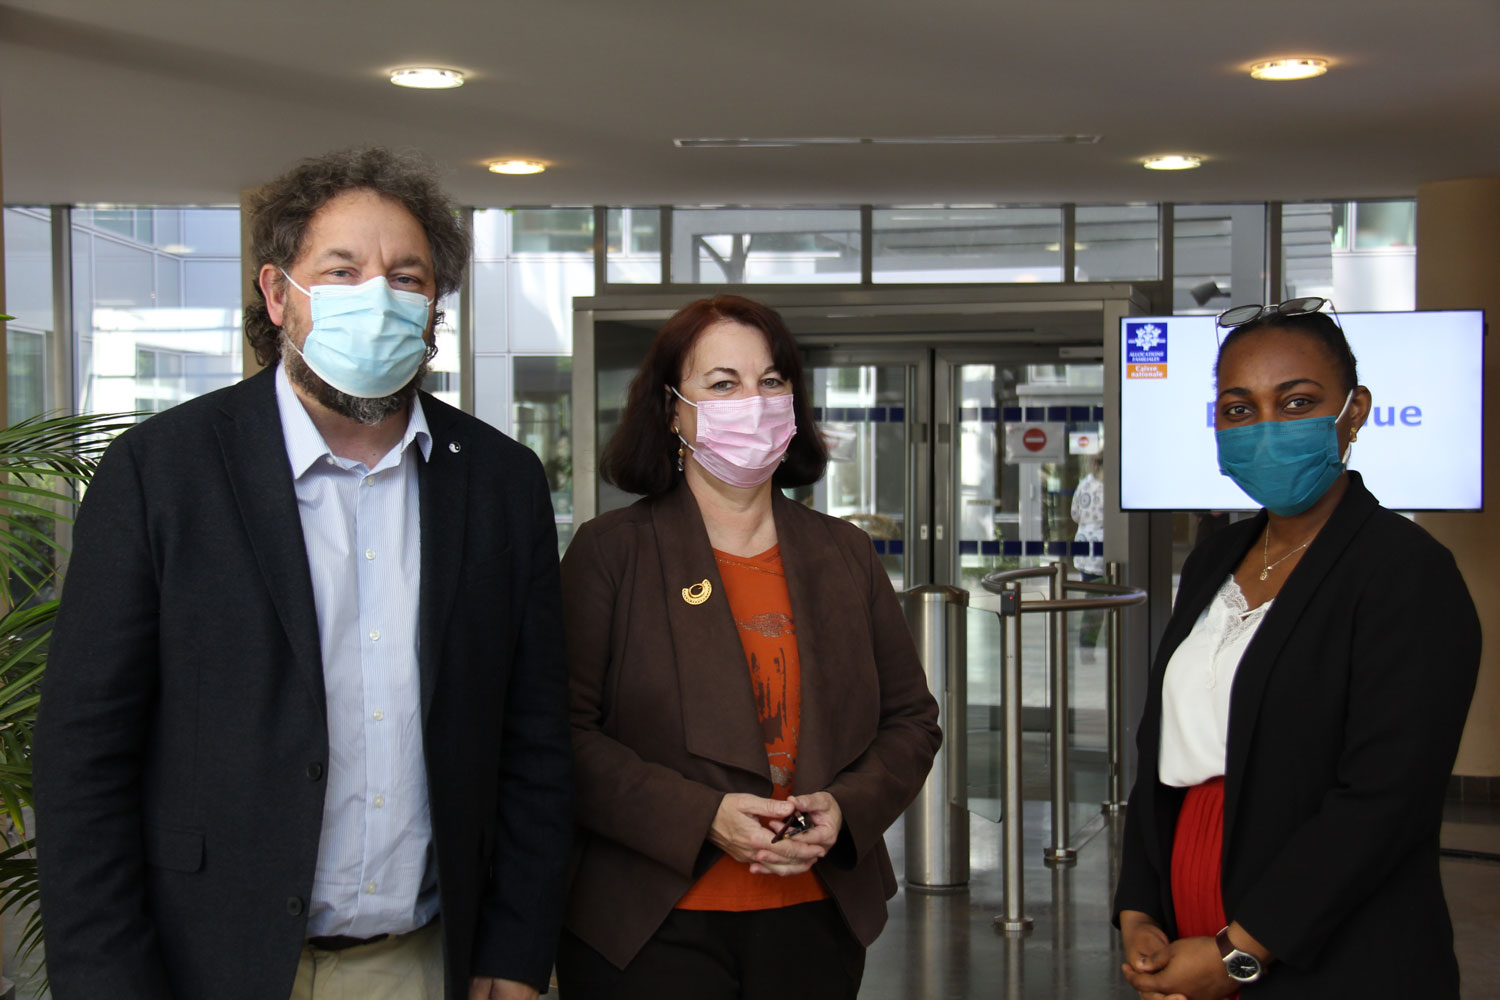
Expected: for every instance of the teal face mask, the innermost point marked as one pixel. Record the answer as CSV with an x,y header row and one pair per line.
x,y
366,340
1285,465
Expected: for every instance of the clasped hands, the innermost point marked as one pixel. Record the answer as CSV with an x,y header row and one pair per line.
x,y
745,828
1159,969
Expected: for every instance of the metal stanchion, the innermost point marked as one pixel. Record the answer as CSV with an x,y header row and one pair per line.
x,y
1059,853
1115,713
1111,596
1013,920
937,821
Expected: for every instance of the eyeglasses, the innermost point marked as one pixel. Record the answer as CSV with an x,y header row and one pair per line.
x,y
1240,315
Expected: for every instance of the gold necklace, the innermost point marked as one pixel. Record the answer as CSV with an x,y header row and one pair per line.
x,y
1265,553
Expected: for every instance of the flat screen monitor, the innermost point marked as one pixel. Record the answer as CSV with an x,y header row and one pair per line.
x,y
1421,449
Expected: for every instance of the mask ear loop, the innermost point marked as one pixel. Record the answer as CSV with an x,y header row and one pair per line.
x,y
1353,431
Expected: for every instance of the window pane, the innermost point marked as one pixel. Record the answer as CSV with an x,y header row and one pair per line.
x,y
553,230
541,302
28,269
633,245
968,244
1219,254
1309,233
1381,224
157,323
736,246
1317,258
543,419
25,373
1116,242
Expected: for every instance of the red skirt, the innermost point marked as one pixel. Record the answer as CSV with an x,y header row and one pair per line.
x,y
1197,855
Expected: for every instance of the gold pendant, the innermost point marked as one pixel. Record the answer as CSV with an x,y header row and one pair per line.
x,y
1263,574
698,593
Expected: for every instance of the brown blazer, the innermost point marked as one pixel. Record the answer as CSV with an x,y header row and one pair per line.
x,y
665,723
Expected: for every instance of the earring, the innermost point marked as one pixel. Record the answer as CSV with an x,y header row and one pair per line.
x,y
679,459
1353,436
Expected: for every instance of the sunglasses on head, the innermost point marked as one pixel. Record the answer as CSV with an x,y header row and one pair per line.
x,y
1240,315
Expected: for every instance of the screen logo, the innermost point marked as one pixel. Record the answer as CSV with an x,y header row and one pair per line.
x,y
1146,349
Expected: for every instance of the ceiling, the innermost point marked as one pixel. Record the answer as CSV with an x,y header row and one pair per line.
x,y
192,101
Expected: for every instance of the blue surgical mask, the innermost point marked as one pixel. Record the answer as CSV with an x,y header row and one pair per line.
x,y
1285,465
366,340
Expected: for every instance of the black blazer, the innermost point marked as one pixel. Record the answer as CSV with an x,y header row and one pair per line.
x,y
182,743
1344,722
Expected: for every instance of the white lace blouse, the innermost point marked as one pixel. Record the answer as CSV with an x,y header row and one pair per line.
x,y
1195,691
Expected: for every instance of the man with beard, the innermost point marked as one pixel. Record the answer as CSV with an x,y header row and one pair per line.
x,y
304,731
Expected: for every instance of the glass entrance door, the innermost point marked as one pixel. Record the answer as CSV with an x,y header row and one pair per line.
x,y
1022,482
872,407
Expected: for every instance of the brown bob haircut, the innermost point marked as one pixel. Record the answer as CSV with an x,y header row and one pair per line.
x,y
641,457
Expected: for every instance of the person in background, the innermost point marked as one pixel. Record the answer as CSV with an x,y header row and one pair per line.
x,y
1087,510
749,714
1304,711
304,729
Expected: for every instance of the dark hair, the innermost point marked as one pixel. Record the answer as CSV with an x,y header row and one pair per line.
x,y
1320,327
641,457
281,211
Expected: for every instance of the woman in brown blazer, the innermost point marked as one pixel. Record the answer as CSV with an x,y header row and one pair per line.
x,y
731,819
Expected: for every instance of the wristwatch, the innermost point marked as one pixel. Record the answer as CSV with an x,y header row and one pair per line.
x,y
1242,966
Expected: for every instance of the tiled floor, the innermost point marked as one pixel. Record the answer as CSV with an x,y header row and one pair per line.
x,y
946,946
940,946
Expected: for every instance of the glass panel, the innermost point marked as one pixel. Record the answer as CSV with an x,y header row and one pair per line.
x,y
862,412
1309,233
491,233
541,301
985,730
1029,467
543,422
967,244
28,269
156,323
444,369
632,245
1381,224
1378,275
25,373
1219,254
552,230
774,246
1116,242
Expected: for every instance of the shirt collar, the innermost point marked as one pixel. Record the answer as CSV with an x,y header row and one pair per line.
x,y
305,445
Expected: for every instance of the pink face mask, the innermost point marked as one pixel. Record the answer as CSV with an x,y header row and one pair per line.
x,y
741,441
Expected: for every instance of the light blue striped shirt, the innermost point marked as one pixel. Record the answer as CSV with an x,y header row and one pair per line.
x,y
363,535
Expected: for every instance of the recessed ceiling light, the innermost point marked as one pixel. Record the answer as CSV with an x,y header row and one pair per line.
x,y
517,166
1172,162
1289,69
427,78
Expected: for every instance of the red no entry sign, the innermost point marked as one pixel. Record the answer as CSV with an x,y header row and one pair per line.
x,y
1035,439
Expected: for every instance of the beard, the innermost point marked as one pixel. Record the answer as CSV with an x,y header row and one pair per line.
x,y
357,408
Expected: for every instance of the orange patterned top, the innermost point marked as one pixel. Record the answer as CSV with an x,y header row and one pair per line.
x,y
755,587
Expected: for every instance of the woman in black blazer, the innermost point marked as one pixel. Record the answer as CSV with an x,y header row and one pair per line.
x,y
1304,711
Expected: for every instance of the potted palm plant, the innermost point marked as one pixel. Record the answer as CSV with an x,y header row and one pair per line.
x,y
45,462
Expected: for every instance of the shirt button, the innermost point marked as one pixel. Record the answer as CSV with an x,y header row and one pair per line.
x,y
370,479
377,715
369,553
374,635
314,771
329,460
380,802
369,888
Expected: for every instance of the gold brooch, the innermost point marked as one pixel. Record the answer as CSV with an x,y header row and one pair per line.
x,y
698,593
